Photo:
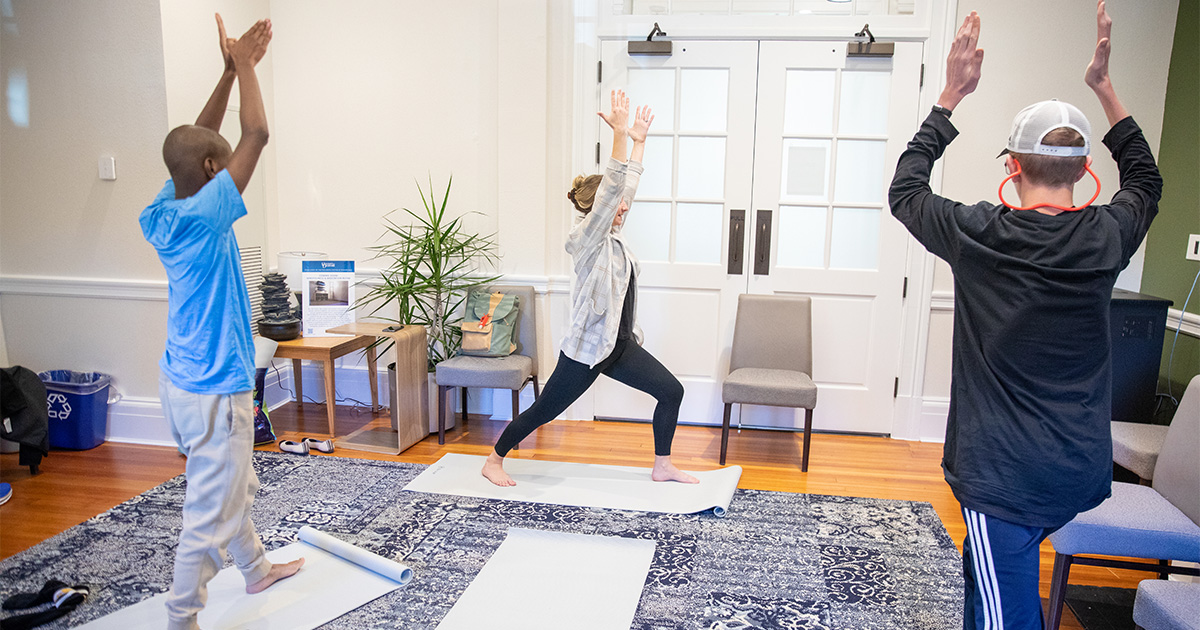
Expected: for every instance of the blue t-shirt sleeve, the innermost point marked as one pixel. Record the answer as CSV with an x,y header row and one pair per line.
x,y
166,194
218,204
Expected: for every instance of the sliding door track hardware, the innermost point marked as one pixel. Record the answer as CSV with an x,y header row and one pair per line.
x,y
869,48
651,47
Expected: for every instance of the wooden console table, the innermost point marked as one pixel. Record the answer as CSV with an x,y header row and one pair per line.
x,y
325,350
410,416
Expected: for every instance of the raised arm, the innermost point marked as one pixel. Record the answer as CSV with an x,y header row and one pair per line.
x,y
618,119
1096,75
214,110
964,64
246,53
641,126
598,223
931,218
1136,203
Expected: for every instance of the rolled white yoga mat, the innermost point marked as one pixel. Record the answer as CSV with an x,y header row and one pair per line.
x,y
387,568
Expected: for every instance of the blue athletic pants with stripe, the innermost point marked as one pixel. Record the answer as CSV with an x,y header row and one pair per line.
x,y
1000,571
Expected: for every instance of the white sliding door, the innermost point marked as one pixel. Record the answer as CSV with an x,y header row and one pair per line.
x,y
829,131
767,172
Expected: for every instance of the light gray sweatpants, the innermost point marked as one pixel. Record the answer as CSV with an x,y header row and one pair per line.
x,y
216,433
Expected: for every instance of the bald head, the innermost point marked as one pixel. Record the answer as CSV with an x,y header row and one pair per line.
x,y
194,155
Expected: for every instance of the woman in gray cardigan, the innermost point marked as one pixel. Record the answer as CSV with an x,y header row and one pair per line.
x,y
603,338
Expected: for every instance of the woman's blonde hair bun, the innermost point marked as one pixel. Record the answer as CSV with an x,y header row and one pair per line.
x,y
583,192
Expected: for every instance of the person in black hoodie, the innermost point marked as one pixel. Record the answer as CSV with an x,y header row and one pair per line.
x,y
1028,443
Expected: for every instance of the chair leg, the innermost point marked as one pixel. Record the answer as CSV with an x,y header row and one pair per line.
x,y
1164,575
537,389
1058,590
807,438
725,431
516,411
441,403
462,392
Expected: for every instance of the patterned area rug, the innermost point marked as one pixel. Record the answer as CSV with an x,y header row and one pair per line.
x,y
777,561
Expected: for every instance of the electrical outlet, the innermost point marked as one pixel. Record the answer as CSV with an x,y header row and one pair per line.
x,y
108,168
1193,252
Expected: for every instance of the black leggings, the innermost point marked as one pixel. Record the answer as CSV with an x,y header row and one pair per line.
x,y
628,363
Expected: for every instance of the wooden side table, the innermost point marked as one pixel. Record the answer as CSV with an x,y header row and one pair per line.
x,y
325,350
410,413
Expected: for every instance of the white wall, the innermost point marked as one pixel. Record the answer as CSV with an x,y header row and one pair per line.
x,y
95,76
95,79
388,96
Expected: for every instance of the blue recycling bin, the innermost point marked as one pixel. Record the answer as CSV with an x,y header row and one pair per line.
x,y
78,406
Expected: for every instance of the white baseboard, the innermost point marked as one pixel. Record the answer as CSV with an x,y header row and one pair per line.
x,y
141,421
138,421
932,425
921,419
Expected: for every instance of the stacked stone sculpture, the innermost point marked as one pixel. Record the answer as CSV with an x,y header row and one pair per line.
x,y
278,322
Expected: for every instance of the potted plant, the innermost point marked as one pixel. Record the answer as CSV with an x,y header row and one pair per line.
x,y
433,262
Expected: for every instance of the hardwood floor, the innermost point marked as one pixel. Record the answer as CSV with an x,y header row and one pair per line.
x,y
76,485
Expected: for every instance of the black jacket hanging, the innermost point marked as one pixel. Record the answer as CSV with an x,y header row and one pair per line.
x,y
25,414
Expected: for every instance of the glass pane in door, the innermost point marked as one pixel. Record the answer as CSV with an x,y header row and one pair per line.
x,y
654,87
701,168
647,230
808,102
698,231
704,100
657,162
860,171
805,169
854,242
863,108
801,237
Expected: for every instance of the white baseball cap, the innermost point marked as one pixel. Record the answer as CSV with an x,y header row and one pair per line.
x,y
1032,124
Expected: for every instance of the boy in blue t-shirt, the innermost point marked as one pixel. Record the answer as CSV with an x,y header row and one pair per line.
x,y
207,369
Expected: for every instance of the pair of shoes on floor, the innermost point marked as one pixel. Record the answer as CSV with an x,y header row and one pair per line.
x,y
304,446
55,599
5,492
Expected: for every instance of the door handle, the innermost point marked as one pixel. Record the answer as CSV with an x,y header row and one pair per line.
x,y
737,241
762,243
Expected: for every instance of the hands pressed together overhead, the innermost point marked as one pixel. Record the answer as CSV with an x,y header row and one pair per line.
x,y
246,50
964,65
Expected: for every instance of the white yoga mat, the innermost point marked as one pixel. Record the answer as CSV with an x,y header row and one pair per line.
x,y
337,577
581,485
552,580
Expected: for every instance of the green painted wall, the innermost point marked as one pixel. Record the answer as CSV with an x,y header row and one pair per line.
x,y
1166,272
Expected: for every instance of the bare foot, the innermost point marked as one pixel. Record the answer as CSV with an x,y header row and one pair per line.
x,y
278,572
664,470
493,469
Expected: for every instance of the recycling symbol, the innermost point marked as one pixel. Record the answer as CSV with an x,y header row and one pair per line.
x,y
60,409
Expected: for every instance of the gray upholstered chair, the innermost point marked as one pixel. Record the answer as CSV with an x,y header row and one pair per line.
x,y
771,360
1165,605
511,372
1159,522
1136,446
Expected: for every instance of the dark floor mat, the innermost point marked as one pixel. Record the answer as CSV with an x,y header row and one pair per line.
x,y
1102,607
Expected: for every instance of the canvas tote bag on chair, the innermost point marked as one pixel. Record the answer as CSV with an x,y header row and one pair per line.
x,y
488,324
